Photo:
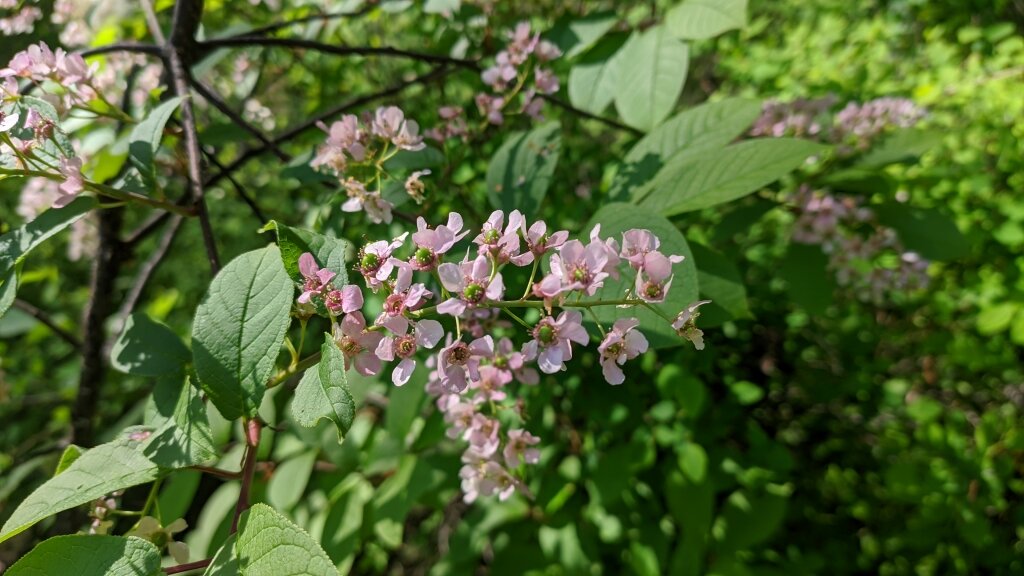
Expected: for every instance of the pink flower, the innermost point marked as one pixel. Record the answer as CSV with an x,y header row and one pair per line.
x,y
491,107
508,359
482,434
491,385
551,344
482,476
375,262
433,242
404,296
343,137
610,246
686,324
538,242
73,184
654,278
390,123
458,358
315,278
358,344
517,448
546,81
414,187
425,334
546,51
471,284
348,299
501,245
579,268
377,209
636,243
620,344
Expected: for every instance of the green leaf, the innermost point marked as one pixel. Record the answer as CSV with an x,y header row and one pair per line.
x,y
57,146
99,471
289,480
323,392
720,282
270,545
592,80
8,290
808,280
651,72
927,231
149,348
185,439
225,562
67,458
575,34
702,19
16,244
692,506
617,218
693,461
903,146
90,555
717,176
520,173
146,136
239,329
327,251
996,318
746,392
345,519
750,520
709,126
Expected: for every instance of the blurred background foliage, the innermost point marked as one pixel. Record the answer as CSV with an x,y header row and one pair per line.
x,y
816,433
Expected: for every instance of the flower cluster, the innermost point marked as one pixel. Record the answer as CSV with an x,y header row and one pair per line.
x,y
479,359
39,63
361,146
853,129
852,237
17,17
512,71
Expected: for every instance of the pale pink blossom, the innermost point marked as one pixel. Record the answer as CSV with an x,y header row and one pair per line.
x,y
654,278
518,448
433,242
459,360
425,334
315,280
621,343
348,299
73,184
375,262
358,344
686,324
470,283
552,340
579,267
538,242
496,242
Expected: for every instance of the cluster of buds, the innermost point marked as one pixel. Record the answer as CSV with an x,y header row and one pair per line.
x,y
360,146
452,126
837,224
479,357
512,71
853,129
100,511
18,17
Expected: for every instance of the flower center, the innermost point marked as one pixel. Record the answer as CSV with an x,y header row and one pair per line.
x,y
395,304
500,361
473,292
424,256
614,350
492,236
370,261
333,300
580,274
405,346
349,346
546,334
459,354
652,290
312,284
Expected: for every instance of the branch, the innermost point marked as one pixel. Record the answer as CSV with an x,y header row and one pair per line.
x,y
195,171
324,17
249,201
49,323
252,442
152,22
152,49
291,133
147,269
387,51
219,103
570,108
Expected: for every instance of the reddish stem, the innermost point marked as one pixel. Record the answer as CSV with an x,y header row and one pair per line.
x,y
252,442
187,567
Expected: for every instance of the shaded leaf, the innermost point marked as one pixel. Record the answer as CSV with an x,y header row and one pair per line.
x,y
185,439
651,72
146,136
574,34
323,392
592,80
720,282
148,348
808,281
927,231
327,251
520,173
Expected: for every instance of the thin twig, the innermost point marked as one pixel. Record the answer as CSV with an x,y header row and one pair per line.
x,y
252,442
207,93
152,21
147,269
387,51
291,133
570,108
248,199
122,47
146,228
44,319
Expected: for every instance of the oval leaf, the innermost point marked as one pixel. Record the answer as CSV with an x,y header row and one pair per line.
x,y
323,392
146,136
718,176
90,555
520,173
702,19
239,329
148,348
614,220
650,76
592,80
270,545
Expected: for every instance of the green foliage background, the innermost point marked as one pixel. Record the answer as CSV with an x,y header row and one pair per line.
x,y
813,435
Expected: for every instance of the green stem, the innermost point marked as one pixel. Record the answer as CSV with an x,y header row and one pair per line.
x,y
112,192
517,318
287,373
533,274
